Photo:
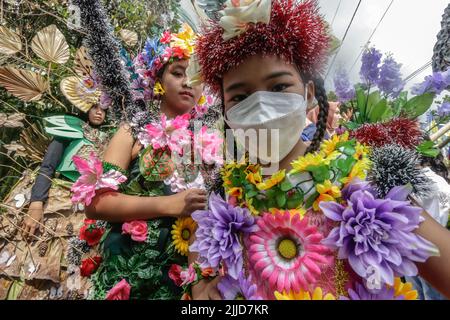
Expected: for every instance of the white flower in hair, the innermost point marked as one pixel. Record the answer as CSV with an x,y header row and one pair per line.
x,y
238,14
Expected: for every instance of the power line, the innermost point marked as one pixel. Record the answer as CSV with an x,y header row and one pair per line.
x,y
335,14
418,71
343,39
371,36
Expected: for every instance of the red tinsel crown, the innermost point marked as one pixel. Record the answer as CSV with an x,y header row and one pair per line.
x,y
296,32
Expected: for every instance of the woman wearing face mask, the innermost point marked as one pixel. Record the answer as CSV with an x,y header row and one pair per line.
x,y
313,229
143,190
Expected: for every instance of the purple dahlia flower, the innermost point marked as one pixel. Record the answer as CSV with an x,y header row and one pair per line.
x,y
241,289
436,83
218,235
361,293
377,235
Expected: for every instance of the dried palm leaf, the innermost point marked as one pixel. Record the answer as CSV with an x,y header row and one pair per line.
x,y
80,95
12,121
23,84
35,143
129,37
16,148
50,45
10,42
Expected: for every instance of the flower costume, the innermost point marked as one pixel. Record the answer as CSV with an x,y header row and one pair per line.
x,y
137,256
320,230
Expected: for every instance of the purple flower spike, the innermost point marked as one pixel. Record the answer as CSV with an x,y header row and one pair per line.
x,y
344,90
390,81
370,70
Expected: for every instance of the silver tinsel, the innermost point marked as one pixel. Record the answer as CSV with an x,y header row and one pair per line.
x,y
394,166
75,251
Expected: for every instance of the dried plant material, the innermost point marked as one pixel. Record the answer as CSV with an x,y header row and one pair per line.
x,y
129,37
12,121
35,143
23,84
49,44
15,147
10,42
79,93
83,64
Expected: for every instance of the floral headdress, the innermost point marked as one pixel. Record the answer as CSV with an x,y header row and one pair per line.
x,y
291,29
157,53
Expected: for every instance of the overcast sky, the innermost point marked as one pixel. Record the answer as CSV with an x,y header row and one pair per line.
x,y
408,31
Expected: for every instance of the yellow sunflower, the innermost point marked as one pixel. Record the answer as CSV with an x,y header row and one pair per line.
x,y
272,181
293,212
182,230
304,295
254,178
329,146
236,192
359,170
405,289
328,192
250,207
362,151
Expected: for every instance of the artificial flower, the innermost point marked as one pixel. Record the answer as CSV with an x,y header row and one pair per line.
x,y
305,295
327,192
343,88
208,145
218,235
158,89
375,235
405,289
171,133
238,14
90,265
276,178
174,274
166,37
370,70
136,229
236,192
359,170
254,178
240,289
361,293
92,179
312,160
286,253
182,230
188,276
90,232
121,291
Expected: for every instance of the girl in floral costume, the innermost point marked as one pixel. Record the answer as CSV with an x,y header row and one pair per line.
x,y
141,188
314,229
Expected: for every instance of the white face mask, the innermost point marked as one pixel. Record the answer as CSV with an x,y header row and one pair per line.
x,y
269,110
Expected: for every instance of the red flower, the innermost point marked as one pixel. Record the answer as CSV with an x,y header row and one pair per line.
x,y
178,53
167,36
174,274
90,265
91,233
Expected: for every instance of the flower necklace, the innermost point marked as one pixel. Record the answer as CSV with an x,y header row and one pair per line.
x,y
314,178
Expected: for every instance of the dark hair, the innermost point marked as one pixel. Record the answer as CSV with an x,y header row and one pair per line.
x,y
324,107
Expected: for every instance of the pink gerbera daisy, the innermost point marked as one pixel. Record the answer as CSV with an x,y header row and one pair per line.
x,y
286,253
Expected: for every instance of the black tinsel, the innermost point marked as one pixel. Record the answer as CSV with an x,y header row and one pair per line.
x,y
104,50
394,166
